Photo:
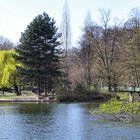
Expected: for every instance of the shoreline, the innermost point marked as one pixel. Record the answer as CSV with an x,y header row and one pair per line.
x,y
61,98
18,100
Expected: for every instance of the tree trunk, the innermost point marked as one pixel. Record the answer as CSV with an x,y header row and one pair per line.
x,y
39,91
17,90
88,83
109,83
3,90
46,83
137,79
45,91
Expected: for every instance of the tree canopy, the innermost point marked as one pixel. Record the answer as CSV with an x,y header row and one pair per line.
x,y
8,66
38,50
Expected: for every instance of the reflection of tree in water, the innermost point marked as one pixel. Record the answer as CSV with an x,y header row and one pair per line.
x,y
34,108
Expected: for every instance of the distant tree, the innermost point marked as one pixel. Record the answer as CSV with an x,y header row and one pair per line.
x,y
5,44
86,55
107,40
88,21
38,50
101,47
131,43
66,39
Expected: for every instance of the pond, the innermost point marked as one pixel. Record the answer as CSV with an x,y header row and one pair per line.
x,y
60,122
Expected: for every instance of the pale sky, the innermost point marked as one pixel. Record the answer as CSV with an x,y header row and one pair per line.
x,y
15,15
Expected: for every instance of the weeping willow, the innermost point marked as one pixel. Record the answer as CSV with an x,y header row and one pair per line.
x,y
8,66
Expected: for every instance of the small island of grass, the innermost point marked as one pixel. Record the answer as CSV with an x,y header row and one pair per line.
x,y
120,110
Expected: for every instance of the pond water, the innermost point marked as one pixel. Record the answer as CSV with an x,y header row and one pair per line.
x,y
60,122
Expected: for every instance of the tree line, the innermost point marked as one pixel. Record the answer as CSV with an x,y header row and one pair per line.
x,y
107,55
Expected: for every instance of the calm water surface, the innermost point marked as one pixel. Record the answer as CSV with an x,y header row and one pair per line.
x,y
60,122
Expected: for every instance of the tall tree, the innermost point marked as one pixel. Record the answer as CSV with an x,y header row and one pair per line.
x,y
86,53
106,42
66,38
38,50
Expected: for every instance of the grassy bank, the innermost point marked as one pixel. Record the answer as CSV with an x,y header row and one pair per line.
x,y
114,106
118,110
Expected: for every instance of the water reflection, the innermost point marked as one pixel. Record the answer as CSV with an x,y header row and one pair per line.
x,y
60,122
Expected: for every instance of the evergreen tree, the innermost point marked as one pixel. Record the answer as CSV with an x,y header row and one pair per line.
x,y
38,50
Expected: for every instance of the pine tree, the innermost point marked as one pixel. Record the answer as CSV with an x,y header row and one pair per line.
x,y
38,50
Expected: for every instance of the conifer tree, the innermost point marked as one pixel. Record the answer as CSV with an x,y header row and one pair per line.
x,y
38,50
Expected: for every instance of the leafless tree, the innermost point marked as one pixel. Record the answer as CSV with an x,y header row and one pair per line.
x,y
132,46
5,44
66,38
106,40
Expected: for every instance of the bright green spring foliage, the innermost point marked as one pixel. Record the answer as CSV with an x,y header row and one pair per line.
x,y
8,66
124,97
114,106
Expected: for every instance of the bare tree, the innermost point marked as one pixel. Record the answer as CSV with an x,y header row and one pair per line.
x,y
106,40
86,56
66,38
5,44
76,71
86,52
132,46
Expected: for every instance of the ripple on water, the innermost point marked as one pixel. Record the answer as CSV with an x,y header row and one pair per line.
x,y
60,122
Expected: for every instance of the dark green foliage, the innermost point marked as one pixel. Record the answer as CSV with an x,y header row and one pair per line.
x,y
80,88
82,98
38,51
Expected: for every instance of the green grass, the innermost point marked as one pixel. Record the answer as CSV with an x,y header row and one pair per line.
x,y
11,96
123,96
114,106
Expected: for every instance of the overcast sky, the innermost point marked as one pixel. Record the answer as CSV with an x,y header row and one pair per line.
x,y
15,15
